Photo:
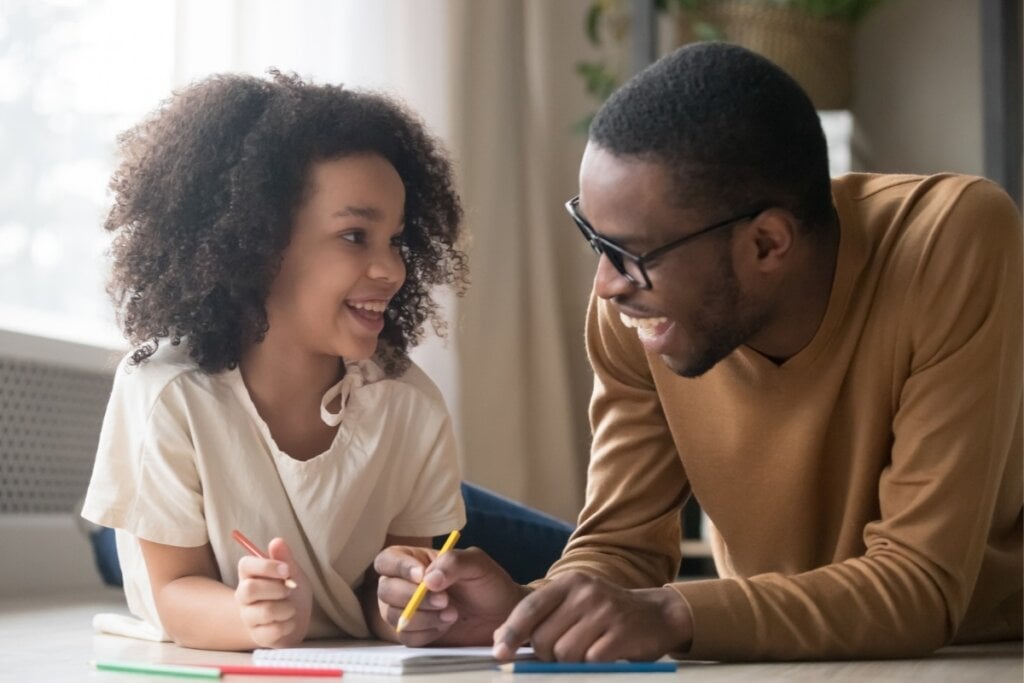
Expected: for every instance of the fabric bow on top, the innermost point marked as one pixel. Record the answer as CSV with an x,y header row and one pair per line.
x,y
357,374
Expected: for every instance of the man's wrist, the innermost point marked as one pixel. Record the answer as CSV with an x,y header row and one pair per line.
x,y
678,619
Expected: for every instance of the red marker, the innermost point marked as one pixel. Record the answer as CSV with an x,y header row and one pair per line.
x,y
253,550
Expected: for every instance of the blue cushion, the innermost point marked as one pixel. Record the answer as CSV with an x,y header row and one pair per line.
x,y
105,553
524,541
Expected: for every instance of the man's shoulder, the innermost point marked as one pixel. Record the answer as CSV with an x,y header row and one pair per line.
x,y
936,248
868,187
863,185
916,211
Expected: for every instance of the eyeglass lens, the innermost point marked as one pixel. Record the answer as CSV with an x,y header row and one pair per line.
x,y
626,266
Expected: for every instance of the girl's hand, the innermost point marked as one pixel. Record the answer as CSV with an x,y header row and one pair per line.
x,y
276,616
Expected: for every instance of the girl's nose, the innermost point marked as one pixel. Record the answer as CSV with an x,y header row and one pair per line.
x,y
387,265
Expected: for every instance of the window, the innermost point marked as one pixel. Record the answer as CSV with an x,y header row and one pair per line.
x,y
72,74
75,73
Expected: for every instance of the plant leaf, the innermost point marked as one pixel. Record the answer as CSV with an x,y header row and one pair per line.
x,y
705,30
842,10
598,80
593,23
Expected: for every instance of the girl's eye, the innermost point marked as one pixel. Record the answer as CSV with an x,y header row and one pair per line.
x,y
398,242
354,236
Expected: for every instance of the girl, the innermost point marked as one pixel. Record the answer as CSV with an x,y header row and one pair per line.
x,y
275,244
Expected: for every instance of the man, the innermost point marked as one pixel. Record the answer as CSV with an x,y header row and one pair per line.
x,y
834,371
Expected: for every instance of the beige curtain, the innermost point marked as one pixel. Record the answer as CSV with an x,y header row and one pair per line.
x,y
523,377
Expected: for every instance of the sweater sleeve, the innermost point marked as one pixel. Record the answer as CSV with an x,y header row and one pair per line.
x,y
957,421
629,529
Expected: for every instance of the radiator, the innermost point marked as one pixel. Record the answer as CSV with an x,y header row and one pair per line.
x,y
52,397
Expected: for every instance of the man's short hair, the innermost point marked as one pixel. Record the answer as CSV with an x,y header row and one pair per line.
x,y
736,130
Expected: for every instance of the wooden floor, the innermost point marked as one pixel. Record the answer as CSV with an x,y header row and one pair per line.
x,y
50,639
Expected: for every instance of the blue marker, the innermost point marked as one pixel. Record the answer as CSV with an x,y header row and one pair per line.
x,y
533,667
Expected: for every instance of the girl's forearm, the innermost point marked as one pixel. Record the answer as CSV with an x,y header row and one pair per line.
x,y
201,612
371,609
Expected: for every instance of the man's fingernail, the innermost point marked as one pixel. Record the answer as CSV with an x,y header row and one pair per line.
x,y
282,571
449,615
416,574
438,600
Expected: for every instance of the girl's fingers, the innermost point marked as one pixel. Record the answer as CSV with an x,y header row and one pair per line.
x,y
256,590
267,613
258,567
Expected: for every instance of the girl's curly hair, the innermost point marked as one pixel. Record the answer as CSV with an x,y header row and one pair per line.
x,y
205,195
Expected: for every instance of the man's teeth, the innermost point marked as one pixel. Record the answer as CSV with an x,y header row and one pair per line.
x,y
644,326
375,306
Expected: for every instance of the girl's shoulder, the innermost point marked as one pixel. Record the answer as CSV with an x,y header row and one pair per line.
x,y
419,381
145,383
418,391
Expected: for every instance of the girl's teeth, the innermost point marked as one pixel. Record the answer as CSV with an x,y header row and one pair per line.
x,y
376,307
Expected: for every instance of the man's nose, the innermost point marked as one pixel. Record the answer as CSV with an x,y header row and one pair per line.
x,y
608,281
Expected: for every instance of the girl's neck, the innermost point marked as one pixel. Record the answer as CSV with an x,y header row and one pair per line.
x,y
279,375
286,384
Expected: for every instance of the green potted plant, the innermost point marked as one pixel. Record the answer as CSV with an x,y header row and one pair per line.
x,y
810,39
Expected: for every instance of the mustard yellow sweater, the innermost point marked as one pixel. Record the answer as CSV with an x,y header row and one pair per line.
x,y
867,493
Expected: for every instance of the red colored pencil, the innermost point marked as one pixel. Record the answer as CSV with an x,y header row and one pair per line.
x,y
253,670
253,550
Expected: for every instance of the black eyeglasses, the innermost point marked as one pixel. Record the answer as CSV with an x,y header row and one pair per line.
x,y
632,266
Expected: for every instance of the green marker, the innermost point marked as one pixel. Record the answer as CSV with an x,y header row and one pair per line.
x,y
164,669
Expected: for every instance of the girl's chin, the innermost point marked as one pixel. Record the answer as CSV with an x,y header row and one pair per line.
x,y
350,347
355,353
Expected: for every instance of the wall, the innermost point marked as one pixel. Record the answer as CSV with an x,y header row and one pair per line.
x,y
917,78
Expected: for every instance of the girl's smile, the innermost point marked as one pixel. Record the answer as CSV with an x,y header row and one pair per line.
x,y
368,312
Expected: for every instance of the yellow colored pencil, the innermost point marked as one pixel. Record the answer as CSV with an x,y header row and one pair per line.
x,y
421,590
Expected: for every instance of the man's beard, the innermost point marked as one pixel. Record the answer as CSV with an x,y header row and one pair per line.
x,y
723,325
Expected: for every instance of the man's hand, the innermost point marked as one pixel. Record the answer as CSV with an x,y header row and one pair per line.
x,y
470,595
577,618
275,615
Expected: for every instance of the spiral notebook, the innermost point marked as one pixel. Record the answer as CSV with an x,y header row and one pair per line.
x,y
370,658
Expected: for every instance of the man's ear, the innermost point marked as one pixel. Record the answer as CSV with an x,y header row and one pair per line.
x,y
773,233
